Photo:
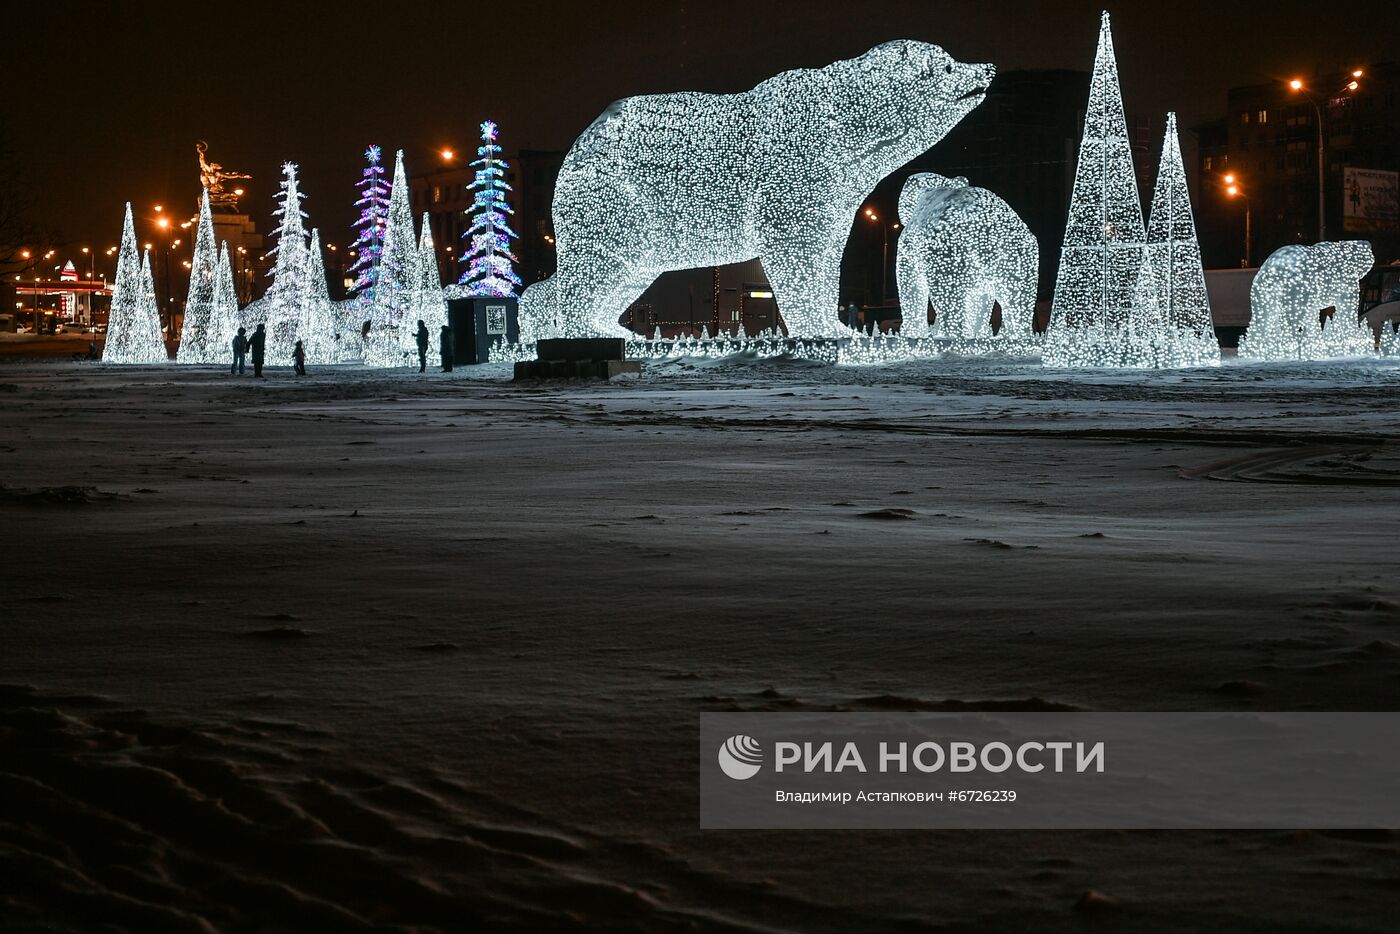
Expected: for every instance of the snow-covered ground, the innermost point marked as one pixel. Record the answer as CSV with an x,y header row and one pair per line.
x,y
430,651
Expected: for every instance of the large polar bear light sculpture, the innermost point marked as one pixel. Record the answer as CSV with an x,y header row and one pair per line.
x,y
1290,290
963,249
685,180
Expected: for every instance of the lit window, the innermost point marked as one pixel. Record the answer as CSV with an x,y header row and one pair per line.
x,y
437,193
1263,116
1244,117
1207,163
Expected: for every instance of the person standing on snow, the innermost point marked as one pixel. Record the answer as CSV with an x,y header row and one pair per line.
x,y
257,343
422,338
240,351
445,346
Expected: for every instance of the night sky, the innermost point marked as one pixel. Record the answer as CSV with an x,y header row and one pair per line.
x,y
106,100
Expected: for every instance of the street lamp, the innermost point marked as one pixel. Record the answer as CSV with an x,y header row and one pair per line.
x,y
1298,87
885,252
1234,189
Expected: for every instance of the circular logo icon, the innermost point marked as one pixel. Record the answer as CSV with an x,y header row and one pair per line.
x,y
741,757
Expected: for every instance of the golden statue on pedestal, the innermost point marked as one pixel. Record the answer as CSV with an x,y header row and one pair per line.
x,y
212,176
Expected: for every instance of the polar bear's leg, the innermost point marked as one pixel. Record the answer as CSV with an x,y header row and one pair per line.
x,y
539,315
584,292
1017,300
610,305
806,282
977,313
911,284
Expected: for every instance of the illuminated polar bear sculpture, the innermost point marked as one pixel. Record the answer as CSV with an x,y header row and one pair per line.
x,y
686,180
1290,291
963,249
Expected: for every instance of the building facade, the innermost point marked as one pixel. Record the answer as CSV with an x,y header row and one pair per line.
x,y
1267,146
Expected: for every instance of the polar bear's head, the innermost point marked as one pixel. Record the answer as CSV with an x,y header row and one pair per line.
x,y
902,97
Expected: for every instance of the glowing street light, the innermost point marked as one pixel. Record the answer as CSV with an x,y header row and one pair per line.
x,y
1234,189
885,252
1299,87
447,155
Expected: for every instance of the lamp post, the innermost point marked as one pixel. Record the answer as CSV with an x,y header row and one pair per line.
x,y
1298,87
1234,190
885,251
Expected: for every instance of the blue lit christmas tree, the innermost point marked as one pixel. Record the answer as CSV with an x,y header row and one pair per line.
x,y
374,211
489,258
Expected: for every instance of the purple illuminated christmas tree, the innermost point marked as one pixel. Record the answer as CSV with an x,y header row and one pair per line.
x,y
489,258
374,211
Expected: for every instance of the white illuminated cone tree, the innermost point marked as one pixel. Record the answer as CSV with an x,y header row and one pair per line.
x,y
133,323
398,267
1177,274
196,345
428,304
223,310
285,304
318,318
1104,235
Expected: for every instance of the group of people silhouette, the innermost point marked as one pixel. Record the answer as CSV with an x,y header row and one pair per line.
x,y
245,346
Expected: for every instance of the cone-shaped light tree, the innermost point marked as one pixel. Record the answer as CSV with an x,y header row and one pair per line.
x,y
490,269
133,323
1173,253
1103,245
195,344
223,312
429,305
284,304
374,215
318,320
398,271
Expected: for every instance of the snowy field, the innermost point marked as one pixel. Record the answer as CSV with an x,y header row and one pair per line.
x,y
428,652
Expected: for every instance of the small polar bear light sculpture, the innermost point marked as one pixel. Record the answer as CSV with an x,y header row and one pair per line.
x,y
679,181
963,249
1291,289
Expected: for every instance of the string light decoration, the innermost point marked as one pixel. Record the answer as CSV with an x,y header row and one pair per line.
x,y
1291,290
1104,233
1178,276
374,214
490,270
1390,341
398,271
963,249
317,325
224,319
860,350
195,343
1124,298
428,304
685,180
282,309
133,322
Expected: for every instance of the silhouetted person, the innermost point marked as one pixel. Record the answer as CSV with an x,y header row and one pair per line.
x,y
299,359
422,338
364,329
256,344
445,346
240,351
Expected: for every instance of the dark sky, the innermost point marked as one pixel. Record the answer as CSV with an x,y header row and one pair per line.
x,y
107,99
